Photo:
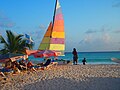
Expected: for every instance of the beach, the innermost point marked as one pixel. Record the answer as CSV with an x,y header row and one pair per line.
x,y
66,77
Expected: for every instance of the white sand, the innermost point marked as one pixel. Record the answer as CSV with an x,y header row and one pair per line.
x,y
67,77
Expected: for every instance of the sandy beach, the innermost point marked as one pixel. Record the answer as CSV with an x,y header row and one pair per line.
x,y
66,77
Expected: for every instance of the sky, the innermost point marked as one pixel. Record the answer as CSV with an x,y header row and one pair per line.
x,y
90,25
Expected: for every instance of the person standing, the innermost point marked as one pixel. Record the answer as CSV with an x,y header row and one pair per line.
x,y
84,61
75,56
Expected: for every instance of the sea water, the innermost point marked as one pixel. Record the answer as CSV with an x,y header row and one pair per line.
x,y
91,57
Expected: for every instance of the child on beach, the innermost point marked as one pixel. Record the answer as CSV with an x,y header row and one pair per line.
x,y
75,56
84,61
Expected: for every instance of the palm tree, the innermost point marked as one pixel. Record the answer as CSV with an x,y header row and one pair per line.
x,y
14,43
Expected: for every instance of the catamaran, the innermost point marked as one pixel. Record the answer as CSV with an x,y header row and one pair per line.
x,y
54,38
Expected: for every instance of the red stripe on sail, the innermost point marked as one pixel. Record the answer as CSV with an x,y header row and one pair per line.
x,y
59,17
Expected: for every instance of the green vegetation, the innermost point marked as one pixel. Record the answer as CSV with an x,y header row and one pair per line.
x,y
14,43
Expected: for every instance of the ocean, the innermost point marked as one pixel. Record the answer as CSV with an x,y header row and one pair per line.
x,y
91,57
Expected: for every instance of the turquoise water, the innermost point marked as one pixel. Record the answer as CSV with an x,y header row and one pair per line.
x,y
91,57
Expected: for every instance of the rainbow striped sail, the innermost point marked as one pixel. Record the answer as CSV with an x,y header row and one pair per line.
x,y
54,38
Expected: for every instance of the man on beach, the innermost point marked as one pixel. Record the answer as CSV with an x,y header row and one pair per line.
x,y
75,57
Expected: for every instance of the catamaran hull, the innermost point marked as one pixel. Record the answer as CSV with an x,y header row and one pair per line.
x,y
115,60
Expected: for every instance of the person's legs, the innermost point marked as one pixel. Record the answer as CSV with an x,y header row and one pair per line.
x,y
83,63
76,61
33,69
2,74
73,60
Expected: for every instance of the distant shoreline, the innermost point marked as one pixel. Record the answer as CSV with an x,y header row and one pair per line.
x,y
98,52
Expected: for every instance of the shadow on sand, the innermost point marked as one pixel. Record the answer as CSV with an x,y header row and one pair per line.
x,y
96,83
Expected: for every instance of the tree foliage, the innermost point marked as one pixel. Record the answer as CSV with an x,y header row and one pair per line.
x,y
14,43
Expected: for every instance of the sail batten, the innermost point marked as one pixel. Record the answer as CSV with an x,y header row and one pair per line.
x,y
54,38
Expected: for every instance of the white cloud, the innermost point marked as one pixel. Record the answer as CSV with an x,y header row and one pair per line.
x,y
106,38
36,36
5,22
90,31
42,27
117,31
96,41
89,38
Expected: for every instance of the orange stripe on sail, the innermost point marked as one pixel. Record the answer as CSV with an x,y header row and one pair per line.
x,y
58,28
48,32
59,23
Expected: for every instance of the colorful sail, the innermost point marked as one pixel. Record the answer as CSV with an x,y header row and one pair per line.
x,y
54,38
45,44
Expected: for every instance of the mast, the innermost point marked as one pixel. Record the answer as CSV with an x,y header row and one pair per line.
x,y
54,14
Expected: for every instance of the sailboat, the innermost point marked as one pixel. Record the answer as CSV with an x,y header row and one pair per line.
x,y
54,38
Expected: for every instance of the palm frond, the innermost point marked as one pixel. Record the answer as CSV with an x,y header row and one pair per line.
x,y
15,43
2,41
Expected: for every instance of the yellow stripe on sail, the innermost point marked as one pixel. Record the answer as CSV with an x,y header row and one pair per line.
x,y
57,47
58,35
